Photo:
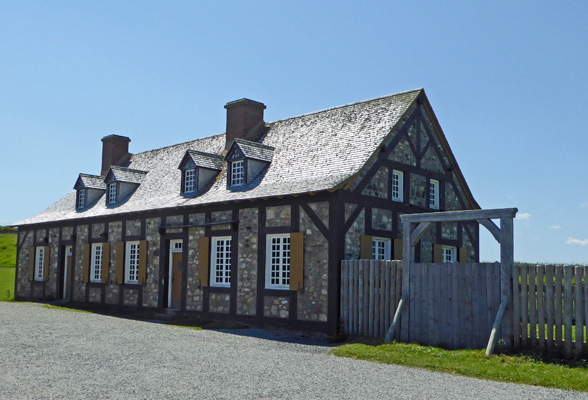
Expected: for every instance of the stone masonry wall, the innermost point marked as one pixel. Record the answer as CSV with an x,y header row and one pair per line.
x,y
219,303
353,237
193,290
312,301
112,289
151,286
276,307
247,262
79,288
51,285
278,216
23,283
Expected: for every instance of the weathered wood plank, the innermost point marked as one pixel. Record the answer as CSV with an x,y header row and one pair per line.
x,y
475,292
435,302
398,282
356,297
540,305
446,285
532,306
455,289
344,297
385,266
516,306
579,310
559,305
462,215
506,266
549,302
484,329
568,310
371,298
586,307
524,310
468,306
361,298
366,303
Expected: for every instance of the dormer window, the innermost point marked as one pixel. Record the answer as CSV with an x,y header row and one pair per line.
x,y
199,171
81,198
89,188
190,180
237,172
112,193
247,161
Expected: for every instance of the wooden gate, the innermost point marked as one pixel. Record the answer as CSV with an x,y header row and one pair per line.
x,y
453,305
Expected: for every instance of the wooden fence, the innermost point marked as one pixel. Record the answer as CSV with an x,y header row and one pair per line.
x,y
370,291
551,308
453,305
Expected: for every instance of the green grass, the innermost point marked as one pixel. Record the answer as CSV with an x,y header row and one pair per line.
x,y
520,368
7,284
7,250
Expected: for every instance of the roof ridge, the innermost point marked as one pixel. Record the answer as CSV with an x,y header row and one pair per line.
x,y
205,153
255,144
350,104
129,169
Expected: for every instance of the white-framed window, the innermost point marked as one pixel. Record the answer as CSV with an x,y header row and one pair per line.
x,y
434,194
39,261
190,180
220,261
96,263
237,172
277,261
449,254
81,198
112,193
381,249
132,262
397,185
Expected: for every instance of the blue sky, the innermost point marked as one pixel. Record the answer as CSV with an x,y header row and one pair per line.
x,y
508,82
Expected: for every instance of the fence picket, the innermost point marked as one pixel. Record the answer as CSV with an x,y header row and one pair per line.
x,y
524,310
532,305
372,295
586,306
540,307
579,310
568,310
559,305
549,296
516,305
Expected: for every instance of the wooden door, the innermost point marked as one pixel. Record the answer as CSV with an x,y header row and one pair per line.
x,y
176,286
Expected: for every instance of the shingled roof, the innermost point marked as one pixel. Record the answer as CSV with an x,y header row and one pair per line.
x,y
205,160
313,152
123,174
255,150
91,182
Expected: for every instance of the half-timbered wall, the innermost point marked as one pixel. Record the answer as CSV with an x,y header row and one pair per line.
x,y
415,150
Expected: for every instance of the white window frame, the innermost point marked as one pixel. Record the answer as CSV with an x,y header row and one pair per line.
x,y
112,193
397,185
449,254
132,262
39,263
190,180
381,248
97,255
434,194
81,198
281,254
220,261
237,172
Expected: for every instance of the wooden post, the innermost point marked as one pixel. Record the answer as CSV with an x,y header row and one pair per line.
x,y
506,263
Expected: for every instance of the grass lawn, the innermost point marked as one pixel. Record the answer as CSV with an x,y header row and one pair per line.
x,y
504,368
7,284
7,250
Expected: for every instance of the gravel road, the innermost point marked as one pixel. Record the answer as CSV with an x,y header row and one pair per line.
x,y
54,354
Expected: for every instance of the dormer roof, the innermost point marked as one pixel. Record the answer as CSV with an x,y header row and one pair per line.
x,y
202,160
123,174
86,181
252,150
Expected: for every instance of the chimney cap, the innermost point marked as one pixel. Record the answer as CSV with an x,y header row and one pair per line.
x,y
119,137
244,101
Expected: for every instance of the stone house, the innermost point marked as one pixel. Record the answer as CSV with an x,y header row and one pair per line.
x,y
250,225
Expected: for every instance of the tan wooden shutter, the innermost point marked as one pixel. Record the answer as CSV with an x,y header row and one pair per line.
x,y
296,261
142,278
46,263
32,264
437,253
120,262
86,262
463,255
105,261
203,260
397,249
365,248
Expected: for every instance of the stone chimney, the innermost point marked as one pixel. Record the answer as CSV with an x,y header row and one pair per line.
x,y
244,120
114,149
